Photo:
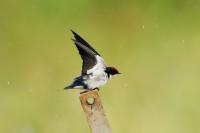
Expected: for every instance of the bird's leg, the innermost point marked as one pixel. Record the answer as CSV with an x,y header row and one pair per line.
x,y
84,91
96,89
89,90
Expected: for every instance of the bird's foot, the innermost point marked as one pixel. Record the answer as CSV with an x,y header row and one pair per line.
x,y
96,89
84,91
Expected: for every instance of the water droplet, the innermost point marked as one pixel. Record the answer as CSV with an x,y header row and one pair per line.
x,y
30,90
142,26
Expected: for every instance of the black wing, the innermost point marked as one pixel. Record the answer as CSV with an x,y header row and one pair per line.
x,y
88,54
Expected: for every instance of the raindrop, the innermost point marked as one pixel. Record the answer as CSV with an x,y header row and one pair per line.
x,y
142,26
30,90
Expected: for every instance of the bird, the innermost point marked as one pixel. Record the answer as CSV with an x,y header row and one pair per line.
x,y
95,72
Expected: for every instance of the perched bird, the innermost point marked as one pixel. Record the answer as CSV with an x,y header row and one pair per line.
x,y
95,73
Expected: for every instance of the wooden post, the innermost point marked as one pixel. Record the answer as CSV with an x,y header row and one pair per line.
x,y
92,106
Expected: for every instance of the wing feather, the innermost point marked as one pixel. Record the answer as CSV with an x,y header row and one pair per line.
x,y
87,53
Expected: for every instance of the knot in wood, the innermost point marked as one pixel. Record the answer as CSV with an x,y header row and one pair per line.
x,y
90,100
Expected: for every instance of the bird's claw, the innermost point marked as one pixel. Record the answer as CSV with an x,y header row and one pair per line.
x,y
96,89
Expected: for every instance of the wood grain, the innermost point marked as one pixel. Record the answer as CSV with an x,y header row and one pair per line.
x,y
93,108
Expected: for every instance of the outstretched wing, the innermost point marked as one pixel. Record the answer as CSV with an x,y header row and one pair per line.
x,y
87,53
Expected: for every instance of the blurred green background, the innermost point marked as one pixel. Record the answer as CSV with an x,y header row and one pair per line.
x,y
155,44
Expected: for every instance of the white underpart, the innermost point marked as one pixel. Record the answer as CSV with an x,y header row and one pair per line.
x,y
78,87
96,81
97,76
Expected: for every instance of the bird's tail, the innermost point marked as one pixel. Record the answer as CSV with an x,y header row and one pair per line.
x,y
76,84
68,87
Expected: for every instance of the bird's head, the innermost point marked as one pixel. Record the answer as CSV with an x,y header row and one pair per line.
x,y
112,71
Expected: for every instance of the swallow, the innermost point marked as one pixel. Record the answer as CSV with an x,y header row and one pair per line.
x,y
95,73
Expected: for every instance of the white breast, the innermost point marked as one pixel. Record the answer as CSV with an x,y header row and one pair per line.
x,y
96,81
97,76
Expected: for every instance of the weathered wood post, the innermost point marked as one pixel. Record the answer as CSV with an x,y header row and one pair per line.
x,y
93,108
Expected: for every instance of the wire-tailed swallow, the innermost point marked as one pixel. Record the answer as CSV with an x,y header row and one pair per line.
x,y
95,73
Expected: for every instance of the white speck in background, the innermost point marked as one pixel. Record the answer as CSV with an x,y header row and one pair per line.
x,y
142,26
27,129
125,85
156,26
30,90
